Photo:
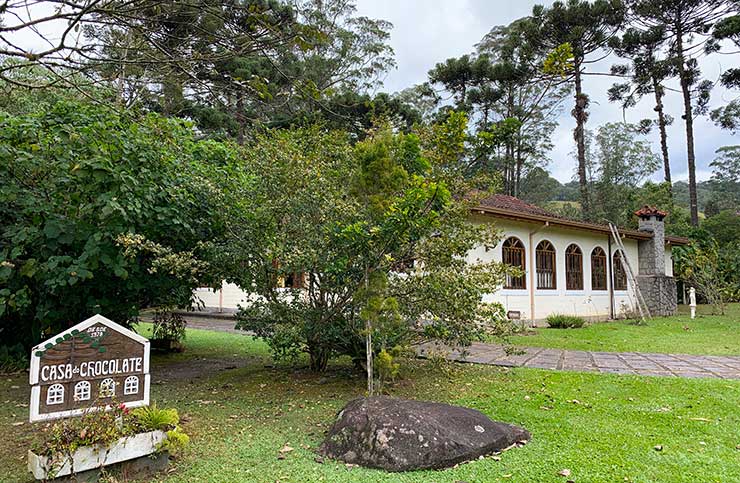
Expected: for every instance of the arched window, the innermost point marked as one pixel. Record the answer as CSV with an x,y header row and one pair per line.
x,y
107,388
573,268
545,258
598,269
82,391
620,275
55,394
131,385
512,253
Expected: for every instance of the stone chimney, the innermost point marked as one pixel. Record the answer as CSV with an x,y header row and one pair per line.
x,y
658,290
652,252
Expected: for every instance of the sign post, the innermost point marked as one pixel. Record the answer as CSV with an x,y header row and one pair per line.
x,y
95,364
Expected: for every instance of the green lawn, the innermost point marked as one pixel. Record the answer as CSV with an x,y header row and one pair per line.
x,y
707,334
240,410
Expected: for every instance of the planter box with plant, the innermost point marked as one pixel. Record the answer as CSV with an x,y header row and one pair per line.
x,y
168,331
103,438
561,321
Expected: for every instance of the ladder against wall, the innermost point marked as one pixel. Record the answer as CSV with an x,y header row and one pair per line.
x,y
638,301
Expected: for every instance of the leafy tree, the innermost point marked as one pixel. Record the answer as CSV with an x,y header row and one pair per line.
x,y
585,27
728,117
725,181
687,25
378,235
621,162
647,75
102,212
724,227
700,265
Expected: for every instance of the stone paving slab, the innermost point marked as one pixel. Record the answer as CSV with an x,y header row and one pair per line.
x,y
635,363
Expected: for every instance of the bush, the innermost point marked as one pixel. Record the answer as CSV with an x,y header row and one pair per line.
x,y
13,358
151,418
560,321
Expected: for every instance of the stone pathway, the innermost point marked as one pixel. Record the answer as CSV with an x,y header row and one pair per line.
x,y
636,363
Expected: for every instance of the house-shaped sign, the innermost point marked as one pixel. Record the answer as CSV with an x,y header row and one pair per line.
x,y
95,364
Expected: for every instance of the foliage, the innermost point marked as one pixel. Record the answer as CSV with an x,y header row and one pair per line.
x,y
175,442
724,227
700,266
618,161
103,212
152,418
168,325
562,321
13,358
570,33
104,427
359,222
500,87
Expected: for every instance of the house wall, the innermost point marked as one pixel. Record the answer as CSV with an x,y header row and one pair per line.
x,y
587,302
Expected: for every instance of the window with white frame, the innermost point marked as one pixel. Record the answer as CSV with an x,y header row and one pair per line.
x,y
131,385
108,388
82,391
55,394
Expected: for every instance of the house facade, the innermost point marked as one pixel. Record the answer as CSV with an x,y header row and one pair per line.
x,y
564,266
572,267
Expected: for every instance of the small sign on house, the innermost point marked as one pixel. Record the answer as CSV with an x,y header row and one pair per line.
x,y
95,364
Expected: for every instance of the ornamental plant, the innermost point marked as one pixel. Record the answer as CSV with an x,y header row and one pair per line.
x,y
103,428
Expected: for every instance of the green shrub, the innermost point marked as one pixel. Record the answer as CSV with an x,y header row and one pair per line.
x,y
560,321
176,441
13,358
151,418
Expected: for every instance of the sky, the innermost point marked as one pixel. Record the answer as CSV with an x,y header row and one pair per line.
x,y
429,31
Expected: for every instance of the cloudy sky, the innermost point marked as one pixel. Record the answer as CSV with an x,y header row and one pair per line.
x,y
429,31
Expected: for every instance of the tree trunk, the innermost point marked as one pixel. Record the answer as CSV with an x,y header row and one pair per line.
x,y
688,116
319,358
658,90
579,113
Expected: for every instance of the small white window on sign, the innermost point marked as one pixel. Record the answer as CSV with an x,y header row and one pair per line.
x,y
82,391
107,388
55,394
131,385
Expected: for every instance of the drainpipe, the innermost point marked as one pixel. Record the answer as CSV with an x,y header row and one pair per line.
x,y
611,276
533,270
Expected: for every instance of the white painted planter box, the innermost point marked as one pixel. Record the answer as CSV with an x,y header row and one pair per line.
x,y
92,457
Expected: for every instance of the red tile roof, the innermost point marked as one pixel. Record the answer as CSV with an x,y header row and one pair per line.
x,y
646,211
511,207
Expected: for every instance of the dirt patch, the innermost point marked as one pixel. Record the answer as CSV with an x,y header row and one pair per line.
x,y
197,368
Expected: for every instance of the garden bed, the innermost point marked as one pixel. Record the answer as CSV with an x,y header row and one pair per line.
x,y
88,458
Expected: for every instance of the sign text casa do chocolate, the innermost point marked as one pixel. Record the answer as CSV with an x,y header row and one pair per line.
x,y
96,363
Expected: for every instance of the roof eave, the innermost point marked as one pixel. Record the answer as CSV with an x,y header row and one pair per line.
x,y
578,225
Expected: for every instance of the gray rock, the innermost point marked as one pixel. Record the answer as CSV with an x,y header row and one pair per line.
x,y
401,435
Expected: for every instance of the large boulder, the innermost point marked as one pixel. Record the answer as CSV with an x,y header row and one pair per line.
x,y
401,435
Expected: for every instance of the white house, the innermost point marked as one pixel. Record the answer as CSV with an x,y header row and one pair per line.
x,y
569,267
572,267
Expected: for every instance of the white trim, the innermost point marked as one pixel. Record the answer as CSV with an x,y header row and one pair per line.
x,y
34,415
33,376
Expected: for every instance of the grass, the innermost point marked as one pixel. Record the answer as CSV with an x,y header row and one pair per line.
x,y
602,428
707,334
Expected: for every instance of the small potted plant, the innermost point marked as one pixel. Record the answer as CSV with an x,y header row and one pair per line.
x,y
101,438
168,331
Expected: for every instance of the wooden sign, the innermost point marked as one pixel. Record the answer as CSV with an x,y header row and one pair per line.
x,y
95,364
514,315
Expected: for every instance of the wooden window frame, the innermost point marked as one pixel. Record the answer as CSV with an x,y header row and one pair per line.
x,y
573,258
599,279
546,266
514,254
620,274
